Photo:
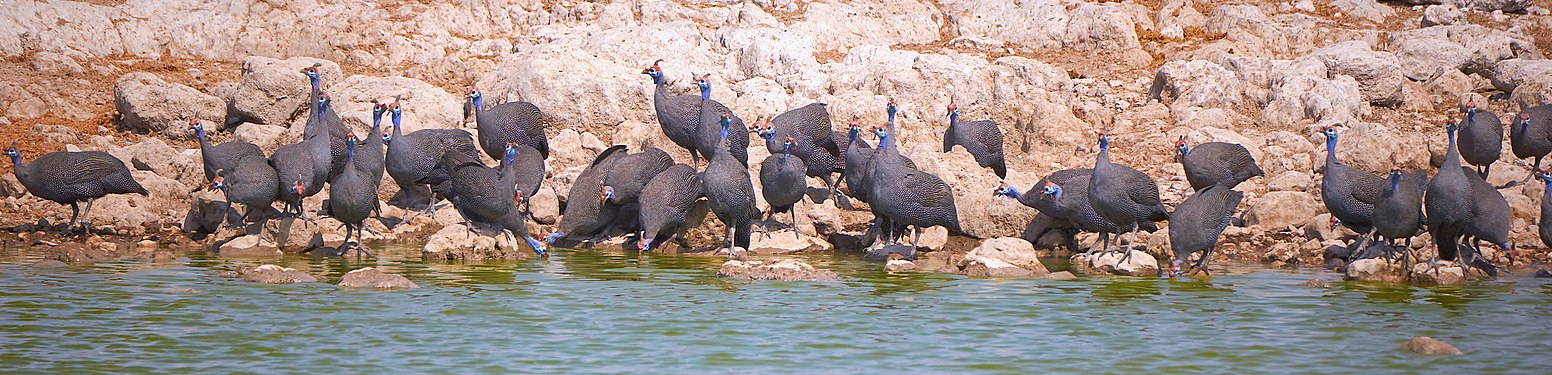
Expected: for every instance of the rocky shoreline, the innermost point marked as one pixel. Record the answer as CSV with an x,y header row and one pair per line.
x,y
1267,77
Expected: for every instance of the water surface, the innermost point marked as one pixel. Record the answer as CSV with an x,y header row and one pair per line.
x,y
587,311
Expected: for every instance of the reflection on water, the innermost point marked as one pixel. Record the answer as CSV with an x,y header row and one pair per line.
x,y
603,311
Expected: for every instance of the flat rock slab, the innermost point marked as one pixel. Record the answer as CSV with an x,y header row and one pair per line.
x,y
1430,346
993,267
786,241
782,270
272,274
1375,269
1063,275
373,278
1446,273
1109,263
899,265
883,253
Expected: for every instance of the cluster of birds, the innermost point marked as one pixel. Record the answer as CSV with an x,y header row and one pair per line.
x,y
1457,206
651,195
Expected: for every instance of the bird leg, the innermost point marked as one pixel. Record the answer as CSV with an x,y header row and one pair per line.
x,y
915,238
795,233
75,212
86,215
729,239
360,249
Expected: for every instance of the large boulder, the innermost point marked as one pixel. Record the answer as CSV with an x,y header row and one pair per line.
x,y
1378,73
374,278
456,242
981,215
425,106
1442,14
1303,90
149,103
275,92
267,137
1282,209
1109,29
132,213
837,27
782,270
1376,269
1373,147
154,155
1013,252
1196,83
1423,59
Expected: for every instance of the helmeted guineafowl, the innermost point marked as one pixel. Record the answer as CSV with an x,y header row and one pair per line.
x,y
782,182
252,183
729,192
586,217
1196,224
1490,221
678,115
908,196
1125,196
981,138
73,177
293,165
1064,195
1448,202
415,159
1530,135
858,152
1399,213
1481,138
352,194
1216,163
513,122
370,158
626,176
670,196
1349,193
222,156
712,119
812,140
489,196
323,114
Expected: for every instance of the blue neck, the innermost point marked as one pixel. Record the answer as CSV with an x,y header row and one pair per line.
x,y
350,149
314,80
852,134
377,119
199,133
724,130
538,248
479,102
396,119
1330,145
1185,150
1523,125
786,151
1013,194
16,161
1395,182
705,93
953,117
657,78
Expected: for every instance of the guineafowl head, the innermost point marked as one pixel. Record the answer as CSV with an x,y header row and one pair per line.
x,y
605,194
953,112
853,129
1330,132
645,243
323,102
1051,191
1180,145
1508,249
786,147
218,183
350,145
1005,191
1524,122
726,122
1471,110
199,129
296,187
1174,267
655,72
892,109
1395,176
16,156
1449,128
550,238
510,155
312,74
1543,175
882,134
395,113
1104,141
705,84
475,97
377,112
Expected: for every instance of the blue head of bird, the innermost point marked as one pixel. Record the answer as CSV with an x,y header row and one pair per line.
x,y
395,113
786,147
1545,176
1450,128
1174,267
323,103
350,145
854,129
312,74
475,97
705,85
726,122
1006,191
1104,141
199,129
655,72
218,183
953,112
510,154
1330,132
387,139
1180,145
378,109
16,156
882,134
1471,109
1509,251
1051,191
550,238
1524,122
892,108
605,194
298,188
645,244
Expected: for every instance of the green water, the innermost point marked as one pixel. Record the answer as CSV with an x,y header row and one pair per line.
x,y
596,312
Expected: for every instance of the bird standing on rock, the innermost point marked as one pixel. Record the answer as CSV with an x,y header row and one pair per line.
x,y
1123,195
782,183
813,141
352,195
489,196
1216,163
1448,203
729,191
713,118
414,160
908,196
1196,224
1399,213
222,156
327,121
1064,195
1530,135
981,138
73,177
1481,138
513,122
253,184
1349,193
678,115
